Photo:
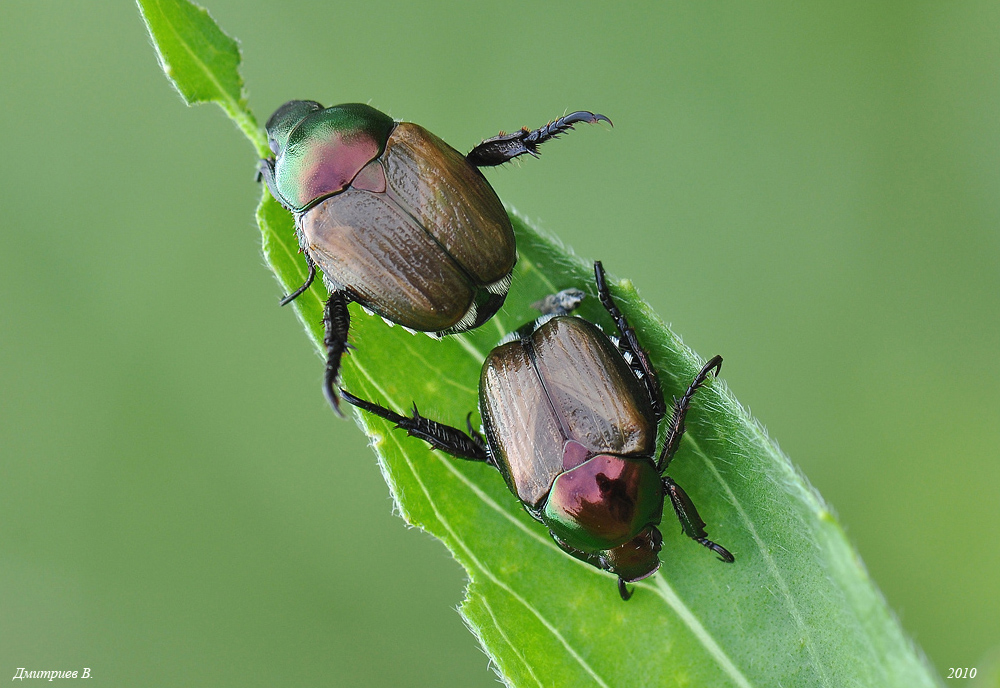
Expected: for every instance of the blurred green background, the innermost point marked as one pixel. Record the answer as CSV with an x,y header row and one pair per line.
x,y
811,191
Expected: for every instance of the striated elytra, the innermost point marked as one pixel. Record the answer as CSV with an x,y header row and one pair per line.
x,y
570,418
395,218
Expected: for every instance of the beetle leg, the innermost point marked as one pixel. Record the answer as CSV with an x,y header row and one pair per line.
x,y
288,298
623,590
505,147
336,321
474,434
443,437
676,429
691,522
631,344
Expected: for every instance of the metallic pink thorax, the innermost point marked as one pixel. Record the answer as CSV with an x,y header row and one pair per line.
x,y
330,166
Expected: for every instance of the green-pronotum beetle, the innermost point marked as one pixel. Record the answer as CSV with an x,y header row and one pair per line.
x,y
395,218
570,417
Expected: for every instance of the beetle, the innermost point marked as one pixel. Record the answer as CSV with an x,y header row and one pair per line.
x,y
570,418
395,218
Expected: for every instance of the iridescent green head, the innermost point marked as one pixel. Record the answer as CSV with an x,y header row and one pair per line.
x,y
319,151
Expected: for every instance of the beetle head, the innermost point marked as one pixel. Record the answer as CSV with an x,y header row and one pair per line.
x,y
637,558
284,119
319,151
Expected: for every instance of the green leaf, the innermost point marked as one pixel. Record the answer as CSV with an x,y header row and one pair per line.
x,y
796,609
200,60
